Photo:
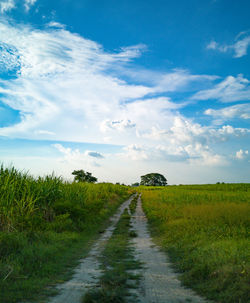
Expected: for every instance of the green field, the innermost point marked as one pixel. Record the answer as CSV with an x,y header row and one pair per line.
x,y
46,225
204,229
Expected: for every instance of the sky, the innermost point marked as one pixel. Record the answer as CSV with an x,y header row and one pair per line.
x,y
125,88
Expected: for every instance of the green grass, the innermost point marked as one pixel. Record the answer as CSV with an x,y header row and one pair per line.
x,y
205,230
133,204
118,263
46,225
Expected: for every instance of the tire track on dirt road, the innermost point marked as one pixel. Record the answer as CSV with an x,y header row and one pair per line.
x,y
159,283
87,273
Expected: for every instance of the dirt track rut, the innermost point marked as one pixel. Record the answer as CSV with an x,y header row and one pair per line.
x,y
159,283
87,272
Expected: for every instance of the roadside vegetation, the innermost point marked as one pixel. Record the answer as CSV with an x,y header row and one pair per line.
x,y
119,265
204,229
46,225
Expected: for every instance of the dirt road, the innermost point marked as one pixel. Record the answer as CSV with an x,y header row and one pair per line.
x,y
87,273
159,284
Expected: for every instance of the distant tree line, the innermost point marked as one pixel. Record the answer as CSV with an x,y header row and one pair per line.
x,y
152,179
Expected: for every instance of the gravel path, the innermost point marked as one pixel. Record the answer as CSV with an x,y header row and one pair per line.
x,y
159,283
87,273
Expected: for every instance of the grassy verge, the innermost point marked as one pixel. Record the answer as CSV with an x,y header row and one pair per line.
x,y
205,229
46,225
118,264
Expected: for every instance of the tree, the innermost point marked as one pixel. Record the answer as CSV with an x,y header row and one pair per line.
x,y
153,179
135,184
81,176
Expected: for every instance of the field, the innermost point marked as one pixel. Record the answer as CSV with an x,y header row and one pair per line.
x,y
46,225
204,229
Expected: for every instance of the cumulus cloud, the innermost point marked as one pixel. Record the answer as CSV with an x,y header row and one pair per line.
x,y
206,157
119,125
229,90
61,76
69,154
6,5
239,47
74,156
241,154
135,152
28,4
239,111
185,131
194,153
186,140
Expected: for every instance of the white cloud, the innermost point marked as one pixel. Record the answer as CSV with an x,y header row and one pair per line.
x,y
28,4
62,77
239,111
75,157
153,112
71,88
9,60
208,158
6,5
119,125
186,140
212,45
194,153
135,152
229,90
239,48
69,154
45,132
241,154
185,131
170,81
180,79
215,46
56,24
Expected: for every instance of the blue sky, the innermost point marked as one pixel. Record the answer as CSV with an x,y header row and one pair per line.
x,y
124,88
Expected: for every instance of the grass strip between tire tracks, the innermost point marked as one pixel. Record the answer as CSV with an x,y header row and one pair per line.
x,y
118,264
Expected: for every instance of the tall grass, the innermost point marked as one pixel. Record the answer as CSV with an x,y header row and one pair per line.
x,y
205,230
45,223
